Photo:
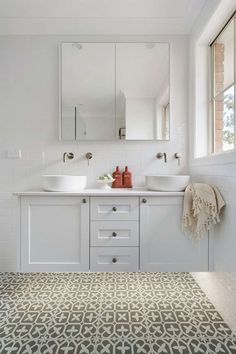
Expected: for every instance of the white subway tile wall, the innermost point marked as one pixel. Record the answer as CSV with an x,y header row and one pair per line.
x,y
224,235
220,285
29,120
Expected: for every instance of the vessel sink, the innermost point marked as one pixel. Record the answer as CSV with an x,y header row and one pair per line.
x,y
167,183
63,183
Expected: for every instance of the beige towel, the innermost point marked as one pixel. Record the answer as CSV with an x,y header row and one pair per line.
x,y
202,206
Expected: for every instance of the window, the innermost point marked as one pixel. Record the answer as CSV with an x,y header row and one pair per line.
x,y
223,88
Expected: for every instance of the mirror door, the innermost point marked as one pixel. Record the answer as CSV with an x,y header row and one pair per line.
x,y
142,91
88,91
115,91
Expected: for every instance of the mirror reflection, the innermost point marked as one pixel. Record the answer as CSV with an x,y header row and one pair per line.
x,y
115,91
142,72
88,91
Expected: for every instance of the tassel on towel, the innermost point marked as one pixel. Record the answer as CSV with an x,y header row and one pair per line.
x,y
202,206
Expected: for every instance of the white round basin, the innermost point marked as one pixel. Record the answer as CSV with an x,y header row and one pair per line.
x,y
63,183
167,183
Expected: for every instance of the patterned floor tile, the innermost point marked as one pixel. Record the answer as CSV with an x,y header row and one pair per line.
x,y
113,313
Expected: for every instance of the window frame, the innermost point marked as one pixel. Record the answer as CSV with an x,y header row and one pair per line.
x,y
212,94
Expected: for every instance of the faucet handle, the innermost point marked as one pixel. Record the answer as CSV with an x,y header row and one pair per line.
x,y
178,156
89,156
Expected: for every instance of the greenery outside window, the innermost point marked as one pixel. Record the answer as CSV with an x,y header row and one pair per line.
x,y
223,88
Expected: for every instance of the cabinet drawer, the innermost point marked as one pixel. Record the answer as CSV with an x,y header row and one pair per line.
x,y
114,259
114,208
114,233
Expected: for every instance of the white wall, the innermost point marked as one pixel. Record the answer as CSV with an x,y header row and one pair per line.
x,y
98,17
224,234
219,170
29,116
138,127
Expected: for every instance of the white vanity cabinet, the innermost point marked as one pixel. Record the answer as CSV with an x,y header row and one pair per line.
x,y
114,234
163,245
115,231
54,234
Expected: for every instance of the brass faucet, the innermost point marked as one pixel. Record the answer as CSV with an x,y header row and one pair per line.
x,y
68,156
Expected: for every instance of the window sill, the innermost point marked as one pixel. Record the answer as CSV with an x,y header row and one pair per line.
x,y
224,158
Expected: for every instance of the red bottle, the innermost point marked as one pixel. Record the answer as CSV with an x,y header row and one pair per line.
x,y
117,175
127,178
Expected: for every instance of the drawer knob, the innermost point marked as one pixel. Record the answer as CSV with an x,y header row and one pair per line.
x,y
84,201
114,260
114,234
114,209
144,200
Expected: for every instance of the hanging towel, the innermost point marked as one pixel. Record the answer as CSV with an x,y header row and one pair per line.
x,y
202,206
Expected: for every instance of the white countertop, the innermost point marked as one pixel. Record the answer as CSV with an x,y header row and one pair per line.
x,y
102,192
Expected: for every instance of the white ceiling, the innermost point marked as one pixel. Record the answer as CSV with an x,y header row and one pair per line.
x,y
98,16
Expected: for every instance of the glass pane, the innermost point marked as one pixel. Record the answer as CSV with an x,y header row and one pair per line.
x,y
142,82
224,59
224,121
88,91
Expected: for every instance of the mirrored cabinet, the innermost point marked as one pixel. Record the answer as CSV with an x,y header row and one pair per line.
x,y
115,91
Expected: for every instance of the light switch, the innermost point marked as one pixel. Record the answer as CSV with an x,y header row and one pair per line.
x,y
14,153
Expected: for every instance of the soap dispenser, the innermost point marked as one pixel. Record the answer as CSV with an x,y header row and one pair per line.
x,y
127,178
117,175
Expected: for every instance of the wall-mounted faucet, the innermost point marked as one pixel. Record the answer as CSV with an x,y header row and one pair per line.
x,y
68,156
178,156
161,155
89,156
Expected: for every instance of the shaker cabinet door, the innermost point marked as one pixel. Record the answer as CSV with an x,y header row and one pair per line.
x,y
54,234
163,245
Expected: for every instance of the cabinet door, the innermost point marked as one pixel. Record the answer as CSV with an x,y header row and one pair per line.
x,y
88,91
54,234
163,245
